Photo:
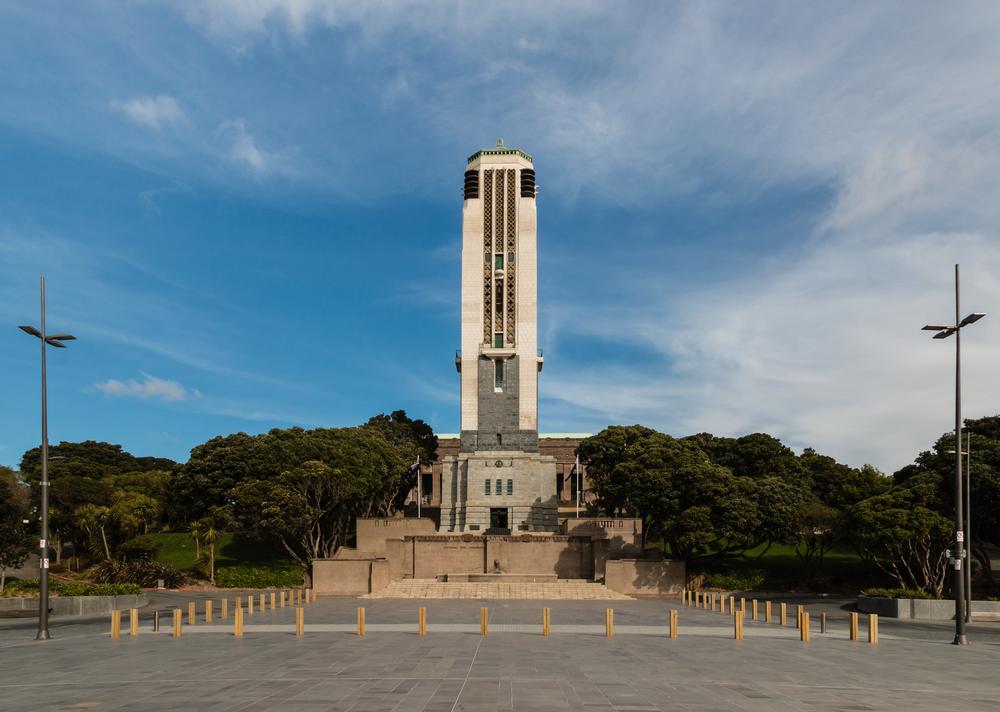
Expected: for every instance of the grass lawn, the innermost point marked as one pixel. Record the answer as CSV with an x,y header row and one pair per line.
x,y
178,550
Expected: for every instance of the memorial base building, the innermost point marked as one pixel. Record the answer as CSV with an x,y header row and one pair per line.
x,y
500,501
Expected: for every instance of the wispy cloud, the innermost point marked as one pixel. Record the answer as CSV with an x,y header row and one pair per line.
x,y
154,112
150,387
242,149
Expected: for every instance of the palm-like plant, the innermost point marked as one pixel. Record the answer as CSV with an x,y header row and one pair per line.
x,y
195,531
91,518
210,535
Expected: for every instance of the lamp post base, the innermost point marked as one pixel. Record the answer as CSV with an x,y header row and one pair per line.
x,y
42,635
960,640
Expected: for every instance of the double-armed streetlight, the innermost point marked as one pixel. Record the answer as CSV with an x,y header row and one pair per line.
x,y
43,544
959,550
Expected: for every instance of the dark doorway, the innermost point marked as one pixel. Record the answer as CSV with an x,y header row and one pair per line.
x,y
498,518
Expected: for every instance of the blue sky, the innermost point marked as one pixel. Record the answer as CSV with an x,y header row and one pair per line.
x,y
249,213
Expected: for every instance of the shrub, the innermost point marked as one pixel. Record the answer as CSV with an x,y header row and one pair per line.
x,y
139,549
897,593
745,581
63,588
258,576
142,573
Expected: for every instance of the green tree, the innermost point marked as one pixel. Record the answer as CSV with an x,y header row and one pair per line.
x,y
14,510
311,507
94,520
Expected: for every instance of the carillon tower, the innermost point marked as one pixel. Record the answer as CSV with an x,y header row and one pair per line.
x,y
499,481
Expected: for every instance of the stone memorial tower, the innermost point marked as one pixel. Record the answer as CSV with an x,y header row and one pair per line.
x,y
499,482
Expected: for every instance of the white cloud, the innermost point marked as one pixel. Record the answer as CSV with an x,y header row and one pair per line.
x,y
149,387
243,150
151,111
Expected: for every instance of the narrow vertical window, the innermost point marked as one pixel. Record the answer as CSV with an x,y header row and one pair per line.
x,y
498,341
510,486
498,261
498,377
499,486
488,488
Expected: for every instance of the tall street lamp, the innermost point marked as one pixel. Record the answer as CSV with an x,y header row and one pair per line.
x,y
43,544
944,331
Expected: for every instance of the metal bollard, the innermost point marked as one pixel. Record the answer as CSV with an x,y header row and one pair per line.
x,y
673,624
156,621
822,622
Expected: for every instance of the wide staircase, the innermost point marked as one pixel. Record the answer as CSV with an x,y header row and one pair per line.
x,y
564,590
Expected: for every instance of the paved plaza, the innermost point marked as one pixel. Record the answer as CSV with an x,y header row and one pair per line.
x,y
561,591
515,668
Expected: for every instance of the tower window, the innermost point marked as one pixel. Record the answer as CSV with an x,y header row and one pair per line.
x,y
487,492
498,341
510,487
498,261
498,373
486,258
499,439
510,258
499,486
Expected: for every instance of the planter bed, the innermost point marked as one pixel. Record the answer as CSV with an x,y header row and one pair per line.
x,y
926,609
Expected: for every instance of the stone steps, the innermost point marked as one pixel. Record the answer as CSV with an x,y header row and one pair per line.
x,y
551,591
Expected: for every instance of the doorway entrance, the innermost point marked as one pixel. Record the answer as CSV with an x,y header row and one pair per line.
x,y
498,518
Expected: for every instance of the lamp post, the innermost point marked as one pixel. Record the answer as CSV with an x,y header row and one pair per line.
x,y
43,544
967,499
944,331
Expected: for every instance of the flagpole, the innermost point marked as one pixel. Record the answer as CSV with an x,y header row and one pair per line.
x,y
576,466
418,486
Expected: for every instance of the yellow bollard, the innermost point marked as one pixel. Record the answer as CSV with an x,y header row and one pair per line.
x,y
133,622
609,622
732,605
767,611
854,626
224,609
361,622
873,629
738,625
422,621
804,627
545,621
673,624
263,604
274,600
116,624
743,605
281,598
799,610
238,621
178,620
250,605
484,622
191,613
300,622
784,615
722,603
753,609
208,611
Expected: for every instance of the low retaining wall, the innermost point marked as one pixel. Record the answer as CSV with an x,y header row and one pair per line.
x,y
641,577
349,577
75,605
922,609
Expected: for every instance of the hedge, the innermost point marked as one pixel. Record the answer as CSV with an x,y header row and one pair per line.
x,y
897,593
748,581
62,588
258,577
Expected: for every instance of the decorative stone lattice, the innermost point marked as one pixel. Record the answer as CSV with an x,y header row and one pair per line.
x,y
488,249
511,240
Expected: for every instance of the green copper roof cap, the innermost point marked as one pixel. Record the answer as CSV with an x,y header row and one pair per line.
x,y
500,150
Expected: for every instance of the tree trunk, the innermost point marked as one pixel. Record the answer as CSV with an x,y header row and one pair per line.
x,y
211,563
107,551
3,578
